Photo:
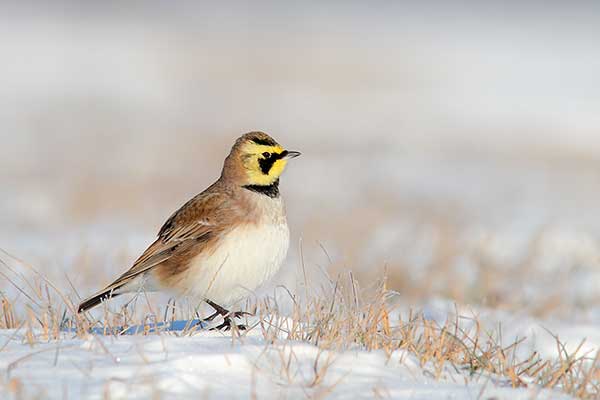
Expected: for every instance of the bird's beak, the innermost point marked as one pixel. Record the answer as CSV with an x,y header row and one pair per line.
x,y
291,154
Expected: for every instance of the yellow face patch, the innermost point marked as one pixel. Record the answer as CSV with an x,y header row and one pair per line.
x,y
264,164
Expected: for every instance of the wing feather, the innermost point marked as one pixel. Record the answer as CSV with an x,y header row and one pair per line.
x,y
194,224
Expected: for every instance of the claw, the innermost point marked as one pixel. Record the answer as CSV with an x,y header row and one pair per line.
x,y
227,317
240,314
227,324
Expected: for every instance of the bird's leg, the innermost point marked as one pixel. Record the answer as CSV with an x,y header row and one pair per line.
x,y
224,312
219,310
227,316
210,317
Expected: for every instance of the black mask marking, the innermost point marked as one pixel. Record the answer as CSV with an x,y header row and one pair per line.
x,y
267,163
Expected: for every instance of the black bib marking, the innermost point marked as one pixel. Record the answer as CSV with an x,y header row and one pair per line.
x,y
271,190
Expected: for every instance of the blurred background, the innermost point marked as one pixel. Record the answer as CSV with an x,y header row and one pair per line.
x,y
454,145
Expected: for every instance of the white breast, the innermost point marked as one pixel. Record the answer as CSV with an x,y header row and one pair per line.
x,y
245,258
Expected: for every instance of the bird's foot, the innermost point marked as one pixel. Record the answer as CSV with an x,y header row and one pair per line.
x,y
227,315
240,314
227,324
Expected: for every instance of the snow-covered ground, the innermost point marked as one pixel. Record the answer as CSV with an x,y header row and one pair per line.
x,y
212,365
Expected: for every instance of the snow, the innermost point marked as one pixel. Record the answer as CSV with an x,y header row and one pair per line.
x,y
213,365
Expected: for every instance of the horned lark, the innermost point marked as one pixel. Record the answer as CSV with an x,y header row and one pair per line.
x,y
223,243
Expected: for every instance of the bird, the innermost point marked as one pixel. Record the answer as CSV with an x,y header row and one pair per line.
x,y
223,243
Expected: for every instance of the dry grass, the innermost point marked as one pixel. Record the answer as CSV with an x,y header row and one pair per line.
x,y
350,318
340,317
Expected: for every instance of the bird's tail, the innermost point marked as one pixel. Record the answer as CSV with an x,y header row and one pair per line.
x,y
98,298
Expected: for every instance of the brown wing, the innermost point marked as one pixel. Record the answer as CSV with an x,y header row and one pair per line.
x,y
197,222
193,224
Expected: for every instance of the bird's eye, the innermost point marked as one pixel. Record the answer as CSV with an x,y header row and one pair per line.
x,y
266,154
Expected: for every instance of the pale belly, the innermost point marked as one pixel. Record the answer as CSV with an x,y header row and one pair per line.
x,y
245,259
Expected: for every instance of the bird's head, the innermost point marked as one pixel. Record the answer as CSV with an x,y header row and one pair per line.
x,y
256,159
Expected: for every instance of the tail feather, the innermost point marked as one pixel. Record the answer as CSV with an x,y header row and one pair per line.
x,y
96,299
